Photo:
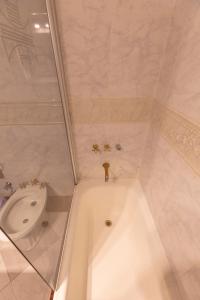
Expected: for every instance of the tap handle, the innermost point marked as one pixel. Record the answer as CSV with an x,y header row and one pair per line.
x,y
8,186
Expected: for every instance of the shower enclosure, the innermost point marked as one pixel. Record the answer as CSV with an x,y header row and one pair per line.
x,y
37,168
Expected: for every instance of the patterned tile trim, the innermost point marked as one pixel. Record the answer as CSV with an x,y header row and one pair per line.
x,y
30,114
111,110
183,134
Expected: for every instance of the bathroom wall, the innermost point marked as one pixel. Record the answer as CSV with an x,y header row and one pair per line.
x,y
18,280
171,165
32,133
112,54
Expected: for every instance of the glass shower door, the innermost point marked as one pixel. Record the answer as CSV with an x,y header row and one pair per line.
x,y
36,173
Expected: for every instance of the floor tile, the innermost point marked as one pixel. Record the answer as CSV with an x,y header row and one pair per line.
x,y
7,293
29,285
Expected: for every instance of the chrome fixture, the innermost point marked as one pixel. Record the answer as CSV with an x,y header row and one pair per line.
x,y
118,147
9,187
106,166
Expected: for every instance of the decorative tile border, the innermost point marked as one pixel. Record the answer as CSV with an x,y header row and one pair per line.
x,y
183,134
110,110
30,114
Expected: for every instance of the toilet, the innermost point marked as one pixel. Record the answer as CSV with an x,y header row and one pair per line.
x,y
23,214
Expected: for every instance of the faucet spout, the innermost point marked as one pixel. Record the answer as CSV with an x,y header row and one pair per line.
x,y
106,166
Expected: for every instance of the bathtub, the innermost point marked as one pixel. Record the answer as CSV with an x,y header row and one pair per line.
x,y
112,250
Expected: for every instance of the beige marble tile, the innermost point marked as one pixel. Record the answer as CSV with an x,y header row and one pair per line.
x,y
7,293
4,278
113,50
110,110
58,204
173,192
179,83
47,238
124,163
41,152
27,63
58,222
169,172
29,285
15,263
48,262
190,283
181,133
33,114
113,55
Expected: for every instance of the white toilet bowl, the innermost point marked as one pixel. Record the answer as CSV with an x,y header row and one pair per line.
x,y
22,215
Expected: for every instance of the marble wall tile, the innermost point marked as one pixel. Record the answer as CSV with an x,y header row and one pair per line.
x,y
33,141
41,152
30,97
170,167
179,83
113,49
27,62
110,110
125,163
181,133
110,121
173,191
112,56
190,282
33,114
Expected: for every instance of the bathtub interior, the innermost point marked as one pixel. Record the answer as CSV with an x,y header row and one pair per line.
x,y
122,261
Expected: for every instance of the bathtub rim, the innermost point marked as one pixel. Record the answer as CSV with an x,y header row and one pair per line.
x,y
63,268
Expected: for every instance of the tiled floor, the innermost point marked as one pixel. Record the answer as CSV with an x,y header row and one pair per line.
x,y
18,280
44,256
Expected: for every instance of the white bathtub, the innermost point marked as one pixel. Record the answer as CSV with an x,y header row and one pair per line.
x,y
125,261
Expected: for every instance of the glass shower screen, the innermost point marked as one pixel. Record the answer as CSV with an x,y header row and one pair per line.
x,y
36,174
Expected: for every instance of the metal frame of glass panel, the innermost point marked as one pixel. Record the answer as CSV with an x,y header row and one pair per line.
x,y
62,81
